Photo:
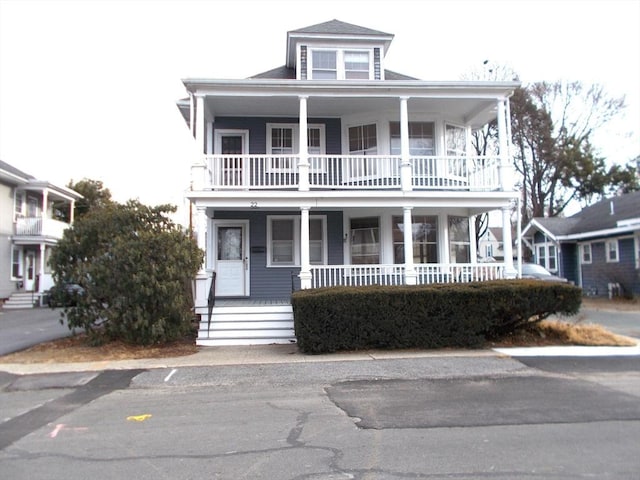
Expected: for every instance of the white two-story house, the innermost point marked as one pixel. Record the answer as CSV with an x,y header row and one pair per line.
x,y
332,170
28,231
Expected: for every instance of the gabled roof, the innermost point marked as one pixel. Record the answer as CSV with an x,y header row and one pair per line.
x,y
611,215
11,169
24,181
335,30
13,174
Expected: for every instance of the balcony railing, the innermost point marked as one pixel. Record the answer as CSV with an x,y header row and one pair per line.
x,y
344,172
357,275
38,226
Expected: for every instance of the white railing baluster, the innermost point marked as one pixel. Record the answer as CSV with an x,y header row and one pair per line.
x,y
360,275
351,172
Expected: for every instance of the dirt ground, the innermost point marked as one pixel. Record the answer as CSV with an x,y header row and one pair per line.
x,y
571,332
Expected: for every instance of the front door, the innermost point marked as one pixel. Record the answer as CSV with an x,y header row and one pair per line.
x,y
232,260
30,271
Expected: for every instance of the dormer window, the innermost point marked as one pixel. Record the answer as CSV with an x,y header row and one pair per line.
x,y
337,64
324,65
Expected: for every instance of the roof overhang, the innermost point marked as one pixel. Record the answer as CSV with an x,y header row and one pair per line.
x,y
624,227
12,178
61,193
473,102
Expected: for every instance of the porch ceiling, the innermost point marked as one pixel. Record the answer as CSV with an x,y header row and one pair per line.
x,y
472,111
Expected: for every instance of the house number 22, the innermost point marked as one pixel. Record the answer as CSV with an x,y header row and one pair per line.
x,y
254,204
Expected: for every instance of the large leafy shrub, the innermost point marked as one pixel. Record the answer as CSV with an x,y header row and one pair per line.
x,y
135,268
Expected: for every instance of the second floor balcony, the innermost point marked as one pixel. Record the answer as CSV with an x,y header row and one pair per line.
x,y
348,172
40,227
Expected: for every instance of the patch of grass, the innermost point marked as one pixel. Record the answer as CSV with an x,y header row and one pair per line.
x,y
556,332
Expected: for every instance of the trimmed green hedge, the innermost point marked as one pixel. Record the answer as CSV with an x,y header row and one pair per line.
x,y
424,316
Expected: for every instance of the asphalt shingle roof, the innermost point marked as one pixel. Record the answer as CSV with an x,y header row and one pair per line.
x,y
336,27
15,171
603,215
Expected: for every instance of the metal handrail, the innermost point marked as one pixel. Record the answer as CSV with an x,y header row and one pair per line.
x,y
211,299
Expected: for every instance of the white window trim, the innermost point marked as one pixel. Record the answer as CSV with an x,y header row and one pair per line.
x,y
296,240
295,127
340,66
582,249
219,133
20,263
617,250
18,204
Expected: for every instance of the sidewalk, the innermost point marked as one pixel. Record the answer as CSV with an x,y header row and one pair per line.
x,y
271,354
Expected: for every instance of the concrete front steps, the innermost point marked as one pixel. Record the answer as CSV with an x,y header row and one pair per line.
x,y
247,325
21,300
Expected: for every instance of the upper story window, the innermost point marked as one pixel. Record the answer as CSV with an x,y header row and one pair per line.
x,y
356,65
324,65
336,64
421,138
456,141
363,140
19,205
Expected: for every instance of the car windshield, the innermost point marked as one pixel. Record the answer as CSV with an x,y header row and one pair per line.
x,y
532,269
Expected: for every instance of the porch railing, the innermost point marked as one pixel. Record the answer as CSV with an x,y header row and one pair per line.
x,y
38,226
351,172
358,275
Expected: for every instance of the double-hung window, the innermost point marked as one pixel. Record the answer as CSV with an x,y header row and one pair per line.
x,y
421,138
459,240
356,65
611,247
283,240
338,64
585,253
19,204
365,240
283,144
324,64
425,239
16,263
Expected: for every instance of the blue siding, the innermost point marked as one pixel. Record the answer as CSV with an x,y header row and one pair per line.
x,y
257,127
597,275
276,282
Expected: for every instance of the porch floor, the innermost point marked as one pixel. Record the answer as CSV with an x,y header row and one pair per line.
x,y
250,302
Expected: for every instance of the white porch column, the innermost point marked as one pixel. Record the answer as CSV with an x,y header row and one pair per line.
x,y
72,211
473,247
506,181
198,168
507,247
202,277
43,251
201,233
410,275
45,201
305,266
303,162
405,162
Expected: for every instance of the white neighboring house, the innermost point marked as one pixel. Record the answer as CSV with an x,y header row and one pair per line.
x,y
28,231
491,246
332,170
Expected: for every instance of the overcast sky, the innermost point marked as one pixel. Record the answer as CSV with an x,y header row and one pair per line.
x,y
88,88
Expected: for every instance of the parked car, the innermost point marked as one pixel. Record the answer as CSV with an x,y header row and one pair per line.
x,y
63,295
538,272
